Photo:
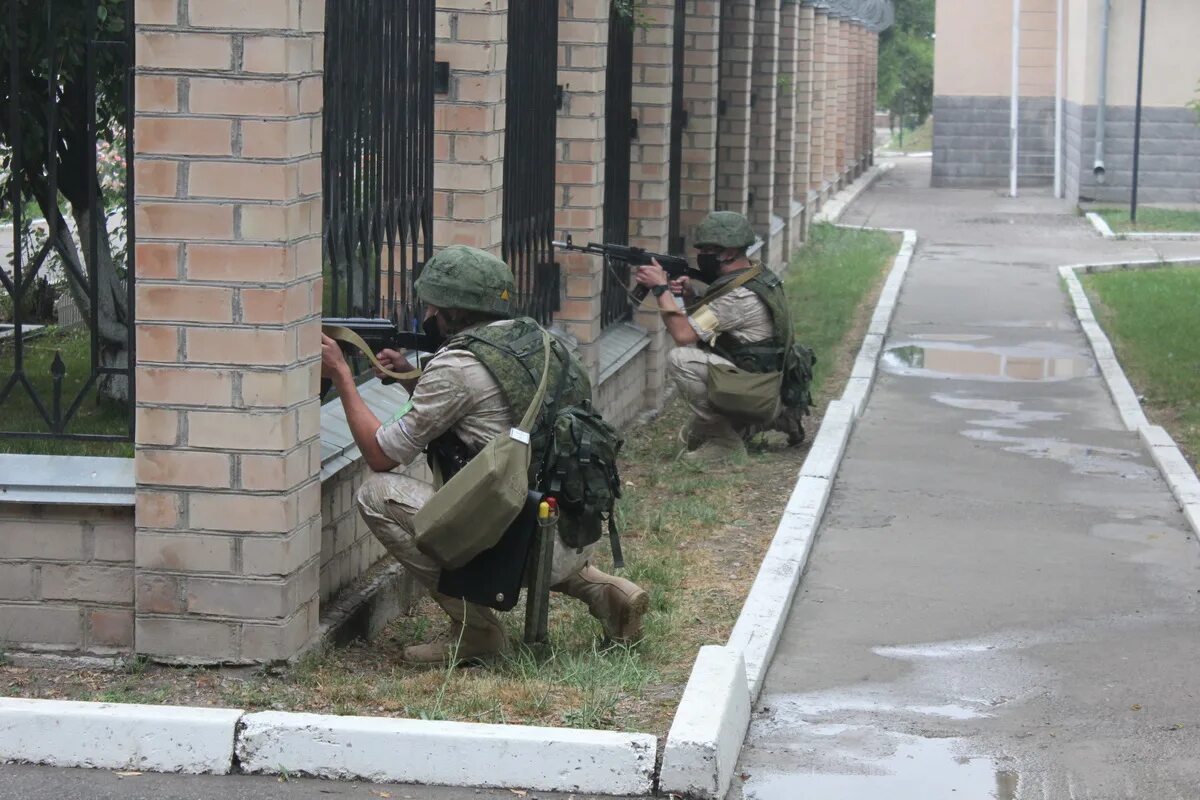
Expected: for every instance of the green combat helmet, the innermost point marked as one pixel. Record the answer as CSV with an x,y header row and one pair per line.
x,y
724,229
467,278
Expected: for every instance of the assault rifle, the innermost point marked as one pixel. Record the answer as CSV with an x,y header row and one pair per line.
x,y
377,334
675,266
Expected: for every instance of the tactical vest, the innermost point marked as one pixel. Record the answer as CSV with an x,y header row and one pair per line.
x,y
766,355
513,354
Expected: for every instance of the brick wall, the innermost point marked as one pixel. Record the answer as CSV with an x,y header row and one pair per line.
x,y
737,72
701,60
66,579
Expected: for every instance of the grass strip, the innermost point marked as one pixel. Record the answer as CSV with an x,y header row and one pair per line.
x,y
1156,220
915,140
694,537
1153,320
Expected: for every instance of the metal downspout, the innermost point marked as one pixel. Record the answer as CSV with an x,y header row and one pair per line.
x,y
1102,94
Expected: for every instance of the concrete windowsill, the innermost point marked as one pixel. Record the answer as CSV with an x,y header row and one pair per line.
x,y
619,345
66,480
338,449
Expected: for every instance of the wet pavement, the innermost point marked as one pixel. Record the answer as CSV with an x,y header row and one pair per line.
x,y
1002,600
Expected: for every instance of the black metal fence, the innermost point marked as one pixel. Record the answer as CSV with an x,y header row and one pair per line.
x,y
378,155
619,132
679,120
66,193
529,155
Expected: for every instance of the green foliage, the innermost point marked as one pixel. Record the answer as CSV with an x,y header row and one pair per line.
x,y
1168,220
906,61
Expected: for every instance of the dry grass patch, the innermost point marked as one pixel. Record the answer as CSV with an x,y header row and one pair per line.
x,y
694,537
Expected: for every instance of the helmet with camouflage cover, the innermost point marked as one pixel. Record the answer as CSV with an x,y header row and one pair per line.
x,y
724,229
467,278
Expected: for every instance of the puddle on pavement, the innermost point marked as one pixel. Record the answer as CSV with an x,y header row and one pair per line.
x,y
957,360
1011,413
1083,459
893,766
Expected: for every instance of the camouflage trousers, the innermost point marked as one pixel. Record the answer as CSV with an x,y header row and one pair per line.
x,y
388,501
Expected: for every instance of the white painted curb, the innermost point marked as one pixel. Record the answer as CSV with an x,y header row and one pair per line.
x,y
1169,459
691,763
833,210
1107,232
118,736
706,736
448,753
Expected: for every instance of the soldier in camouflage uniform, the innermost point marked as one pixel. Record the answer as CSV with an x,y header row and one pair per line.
x,y
740,318
457,395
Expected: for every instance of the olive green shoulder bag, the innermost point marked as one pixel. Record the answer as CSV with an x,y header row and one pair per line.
x,y
473,509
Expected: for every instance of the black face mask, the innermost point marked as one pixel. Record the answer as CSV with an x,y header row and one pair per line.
x,y
433,331
709,264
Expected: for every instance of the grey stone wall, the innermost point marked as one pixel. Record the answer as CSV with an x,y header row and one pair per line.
x,y
1170,160
971,141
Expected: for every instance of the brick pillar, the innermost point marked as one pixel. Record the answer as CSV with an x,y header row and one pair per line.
x,y
856,130
701,65
804,116
762,127
228,213
583,49
873,92
649,204
820,66
841,97
785,125
832,111
468,140
737,70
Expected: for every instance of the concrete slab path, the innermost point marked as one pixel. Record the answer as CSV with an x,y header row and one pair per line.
x,y
1003,597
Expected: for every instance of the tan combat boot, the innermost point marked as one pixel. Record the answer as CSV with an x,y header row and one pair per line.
x,y
475,634
619,604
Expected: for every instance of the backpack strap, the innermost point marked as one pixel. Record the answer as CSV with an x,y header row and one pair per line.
x,y
748,275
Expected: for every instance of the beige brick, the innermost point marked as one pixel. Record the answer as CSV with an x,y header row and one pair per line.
x,y
312,16
157,12
157,426
16,582
110,627
156,93
276,305
184,552
243,98
156,178
41,539
259,599
275,223
276,138
156,510
184,51
183,135
242,430
213,262
184,303
241,180
276,389
41,624
280,555
159,594
155,260
113,541
158,343
274,642
184,221
241,346
239,14
233,512
183,468
87,583
202,640
184,386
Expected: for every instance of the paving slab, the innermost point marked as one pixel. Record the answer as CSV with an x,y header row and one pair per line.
x,y
1002,597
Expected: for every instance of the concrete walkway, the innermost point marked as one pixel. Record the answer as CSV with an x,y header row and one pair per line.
x,y
1003,597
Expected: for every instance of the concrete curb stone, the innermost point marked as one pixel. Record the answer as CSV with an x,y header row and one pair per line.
x,y
118,736
1175,469
1107,232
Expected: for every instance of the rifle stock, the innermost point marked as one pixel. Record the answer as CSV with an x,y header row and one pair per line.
x,y
675,266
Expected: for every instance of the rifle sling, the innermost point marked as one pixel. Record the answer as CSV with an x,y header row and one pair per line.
x,y
341,334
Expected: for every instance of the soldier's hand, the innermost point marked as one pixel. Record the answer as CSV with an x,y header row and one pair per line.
x,y
393,360
682,286
651,274
332,358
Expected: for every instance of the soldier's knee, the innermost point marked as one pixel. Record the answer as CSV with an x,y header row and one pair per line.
x,y
680,360
372,496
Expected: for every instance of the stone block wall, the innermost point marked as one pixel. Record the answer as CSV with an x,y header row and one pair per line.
x,y
66,579
971,142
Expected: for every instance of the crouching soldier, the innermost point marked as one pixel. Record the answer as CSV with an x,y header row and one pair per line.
x,y
736,364
479,383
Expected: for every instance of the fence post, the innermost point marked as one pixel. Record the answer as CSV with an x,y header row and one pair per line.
x,y
765,93
737,72
804,119
228,213
701,76
786,108
820,88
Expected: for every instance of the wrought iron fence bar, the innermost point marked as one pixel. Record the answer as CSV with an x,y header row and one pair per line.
x,y
618,104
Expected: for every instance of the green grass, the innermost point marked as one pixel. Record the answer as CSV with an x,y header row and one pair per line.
x,y
827,282
94,416
916,140
1151,317
1152,220
693,537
